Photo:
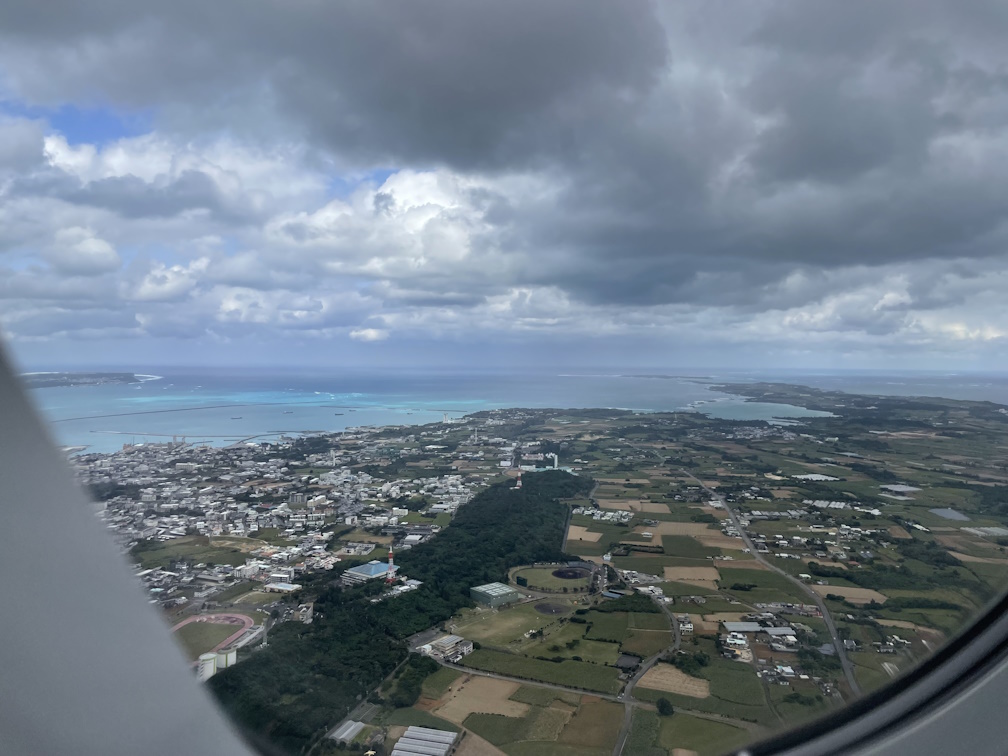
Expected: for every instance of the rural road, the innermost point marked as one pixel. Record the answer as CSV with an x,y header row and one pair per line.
x,y
627,695
848,668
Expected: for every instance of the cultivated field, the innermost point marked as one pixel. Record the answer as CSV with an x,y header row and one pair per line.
x,y
634,505
580,533
671,680
702,577
574,674
480,694
853,595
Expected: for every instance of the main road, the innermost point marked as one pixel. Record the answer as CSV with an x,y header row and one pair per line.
x,y
848,668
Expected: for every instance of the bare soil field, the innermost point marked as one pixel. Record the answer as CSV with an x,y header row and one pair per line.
x,y
683,528
704,577
581,533
480,694
473,745
897,531
854,595
725,616
717,540
671,680
836,565
634,505
703,626
938,635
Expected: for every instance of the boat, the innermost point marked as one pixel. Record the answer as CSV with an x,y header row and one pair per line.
x,y
337,413
288,412
236,418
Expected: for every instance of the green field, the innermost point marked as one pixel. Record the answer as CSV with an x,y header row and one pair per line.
x,y
769,585
705,737
505,626
685,546
543,579
645,728
569,641
199,637
735,690
536,696
596,724
437,682
570,673
409,716
195,549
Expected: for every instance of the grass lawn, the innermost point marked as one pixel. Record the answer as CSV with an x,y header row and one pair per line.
x,y
645,643
769,585
570,673
199,637
502,627
609,626
686,546
193,549
257,598
868,669
437,682
700,735
556,644
407,717
543,578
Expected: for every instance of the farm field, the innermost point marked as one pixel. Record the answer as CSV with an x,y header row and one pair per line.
x,y
670,679
573,674
705,737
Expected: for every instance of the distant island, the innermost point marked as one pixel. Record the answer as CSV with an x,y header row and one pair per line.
x,y
50,380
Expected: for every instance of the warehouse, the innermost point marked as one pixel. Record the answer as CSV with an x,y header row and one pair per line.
x,y
494,595
424,741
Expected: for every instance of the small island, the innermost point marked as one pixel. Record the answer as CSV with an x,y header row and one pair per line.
x,y
52,380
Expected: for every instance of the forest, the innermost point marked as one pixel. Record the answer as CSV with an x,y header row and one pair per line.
x,y
310,676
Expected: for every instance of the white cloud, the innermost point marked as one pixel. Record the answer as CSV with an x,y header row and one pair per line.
x,y
369,334
78,251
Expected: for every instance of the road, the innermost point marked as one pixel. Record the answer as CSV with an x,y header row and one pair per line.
x,y
627,694
848,668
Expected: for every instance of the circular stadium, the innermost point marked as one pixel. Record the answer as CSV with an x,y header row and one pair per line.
x,y
553,578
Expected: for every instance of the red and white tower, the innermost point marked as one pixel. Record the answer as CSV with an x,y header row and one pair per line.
x,y
518,484
390,575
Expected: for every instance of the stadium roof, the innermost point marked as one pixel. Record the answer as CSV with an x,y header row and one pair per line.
x,y
374,568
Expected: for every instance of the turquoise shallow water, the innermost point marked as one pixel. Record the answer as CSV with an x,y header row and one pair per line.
x,y
222,407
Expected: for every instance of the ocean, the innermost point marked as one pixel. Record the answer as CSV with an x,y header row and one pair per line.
x,y
223,407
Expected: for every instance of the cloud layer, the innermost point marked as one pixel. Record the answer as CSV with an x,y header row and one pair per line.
x,y
772,183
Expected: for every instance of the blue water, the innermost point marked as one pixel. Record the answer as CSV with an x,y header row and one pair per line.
x,y
223,407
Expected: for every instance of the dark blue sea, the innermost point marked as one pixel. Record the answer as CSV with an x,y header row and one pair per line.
x,y
227,406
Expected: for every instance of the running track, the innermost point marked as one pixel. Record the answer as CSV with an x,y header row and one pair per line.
x,y
220,619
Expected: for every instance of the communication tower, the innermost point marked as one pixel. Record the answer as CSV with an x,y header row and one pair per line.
x,y
390,575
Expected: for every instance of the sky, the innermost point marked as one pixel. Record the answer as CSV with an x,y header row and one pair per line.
x,y
765,184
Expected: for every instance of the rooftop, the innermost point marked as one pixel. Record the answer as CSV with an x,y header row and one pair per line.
x,y
495,589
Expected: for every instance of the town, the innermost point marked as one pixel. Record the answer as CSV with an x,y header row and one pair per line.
x,y
745,575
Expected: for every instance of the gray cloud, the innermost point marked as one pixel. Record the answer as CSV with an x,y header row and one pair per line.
x,y
800,166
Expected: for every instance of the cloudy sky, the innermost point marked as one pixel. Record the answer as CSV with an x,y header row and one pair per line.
x,y
504,183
